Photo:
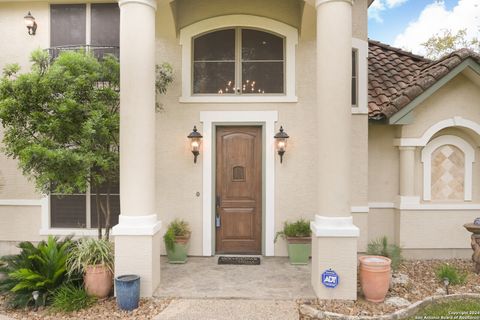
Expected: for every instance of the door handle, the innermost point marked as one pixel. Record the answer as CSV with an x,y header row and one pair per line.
x,y
217,213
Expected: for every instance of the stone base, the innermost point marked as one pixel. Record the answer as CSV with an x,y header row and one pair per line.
x,y
139,255
476,252
334,246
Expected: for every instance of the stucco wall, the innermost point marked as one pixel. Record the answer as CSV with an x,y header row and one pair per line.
x,y
14,33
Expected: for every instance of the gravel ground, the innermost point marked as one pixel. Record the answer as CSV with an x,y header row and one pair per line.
x,y
106,309
422,284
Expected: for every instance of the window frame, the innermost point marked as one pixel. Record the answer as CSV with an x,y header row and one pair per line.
x,y
361,48
238,60
288,33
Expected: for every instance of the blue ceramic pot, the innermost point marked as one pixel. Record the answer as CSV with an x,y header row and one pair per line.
x,y
127,289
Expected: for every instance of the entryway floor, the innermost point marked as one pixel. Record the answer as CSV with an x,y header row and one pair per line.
x,y
202,277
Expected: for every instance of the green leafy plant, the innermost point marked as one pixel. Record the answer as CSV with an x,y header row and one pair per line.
x,y
177,228
61,124
90,251
163,78
381,247
299,228
449,275
69,297
40,268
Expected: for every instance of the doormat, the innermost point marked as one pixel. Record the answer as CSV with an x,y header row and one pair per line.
x,y
239,260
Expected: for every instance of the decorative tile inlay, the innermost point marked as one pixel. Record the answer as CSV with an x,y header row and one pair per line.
x,y
448,173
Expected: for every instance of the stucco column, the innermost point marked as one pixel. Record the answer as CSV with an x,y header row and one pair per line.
x,y
334,238
137,237
407,171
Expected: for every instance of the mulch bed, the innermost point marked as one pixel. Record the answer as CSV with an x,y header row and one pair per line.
x,y
106,309
422,284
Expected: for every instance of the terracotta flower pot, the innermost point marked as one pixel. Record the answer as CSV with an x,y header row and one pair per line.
x,y
375,275
98,281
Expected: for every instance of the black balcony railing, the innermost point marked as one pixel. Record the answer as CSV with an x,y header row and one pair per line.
x,y
98,51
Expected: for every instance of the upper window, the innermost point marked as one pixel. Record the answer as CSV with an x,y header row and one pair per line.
x,y
354,78
238,61
95,27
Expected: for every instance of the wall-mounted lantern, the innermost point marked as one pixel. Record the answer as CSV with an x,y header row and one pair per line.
x,y
281,142
195,142
30,24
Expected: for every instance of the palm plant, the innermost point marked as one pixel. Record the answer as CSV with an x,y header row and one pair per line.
x,y
41,268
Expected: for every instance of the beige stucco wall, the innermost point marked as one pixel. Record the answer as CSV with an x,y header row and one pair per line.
x,y
17,44
421,232
295,184
383,164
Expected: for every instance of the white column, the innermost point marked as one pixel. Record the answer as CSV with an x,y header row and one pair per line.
x,y
137,238
334,239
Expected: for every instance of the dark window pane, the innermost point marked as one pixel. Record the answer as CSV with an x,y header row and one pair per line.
x,y
354,78
114,188
114,209
105,24
259,45
217,45
68,211
214,77
67,24
262,77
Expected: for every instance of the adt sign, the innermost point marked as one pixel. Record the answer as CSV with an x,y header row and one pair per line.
x,y
330,279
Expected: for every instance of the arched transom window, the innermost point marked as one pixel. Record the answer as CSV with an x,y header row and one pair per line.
x,y
238,61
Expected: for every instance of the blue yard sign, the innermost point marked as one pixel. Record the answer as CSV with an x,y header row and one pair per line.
x,y
330,279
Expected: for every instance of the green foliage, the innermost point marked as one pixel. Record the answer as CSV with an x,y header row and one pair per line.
x,y
163,78
90,251
454,276
446,310
447,41
61,122
381,247
39,268
69,297
177,228
299,228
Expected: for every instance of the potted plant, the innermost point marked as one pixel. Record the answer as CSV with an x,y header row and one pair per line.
x,y
299,240
176,241
94,258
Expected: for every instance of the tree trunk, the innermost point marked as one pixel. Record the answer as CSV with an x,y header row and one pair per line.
x,y
97,204
108,213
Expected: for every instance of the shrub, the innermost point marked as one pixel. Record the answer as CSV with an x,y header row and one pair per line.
x,y
39,268
381,247
299,228
90,251
454,276
70,297
177,228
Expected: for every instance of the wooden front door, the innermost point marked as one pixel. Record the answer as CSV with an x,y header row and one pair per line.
x,y
238,212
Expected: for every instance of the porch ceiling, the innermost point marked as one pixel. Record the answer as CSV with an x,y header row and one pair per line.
x,y
186,12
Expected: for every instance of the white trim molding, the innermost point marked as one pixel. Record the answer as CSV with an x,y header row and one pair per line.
x,y
433,145
334,227
238,20
209,119
361,46
137,225
150,3
359,209
428,134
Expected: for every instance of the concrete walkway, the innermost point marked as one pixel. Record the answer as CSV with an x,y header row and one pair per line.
x,y
275,278
232,309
